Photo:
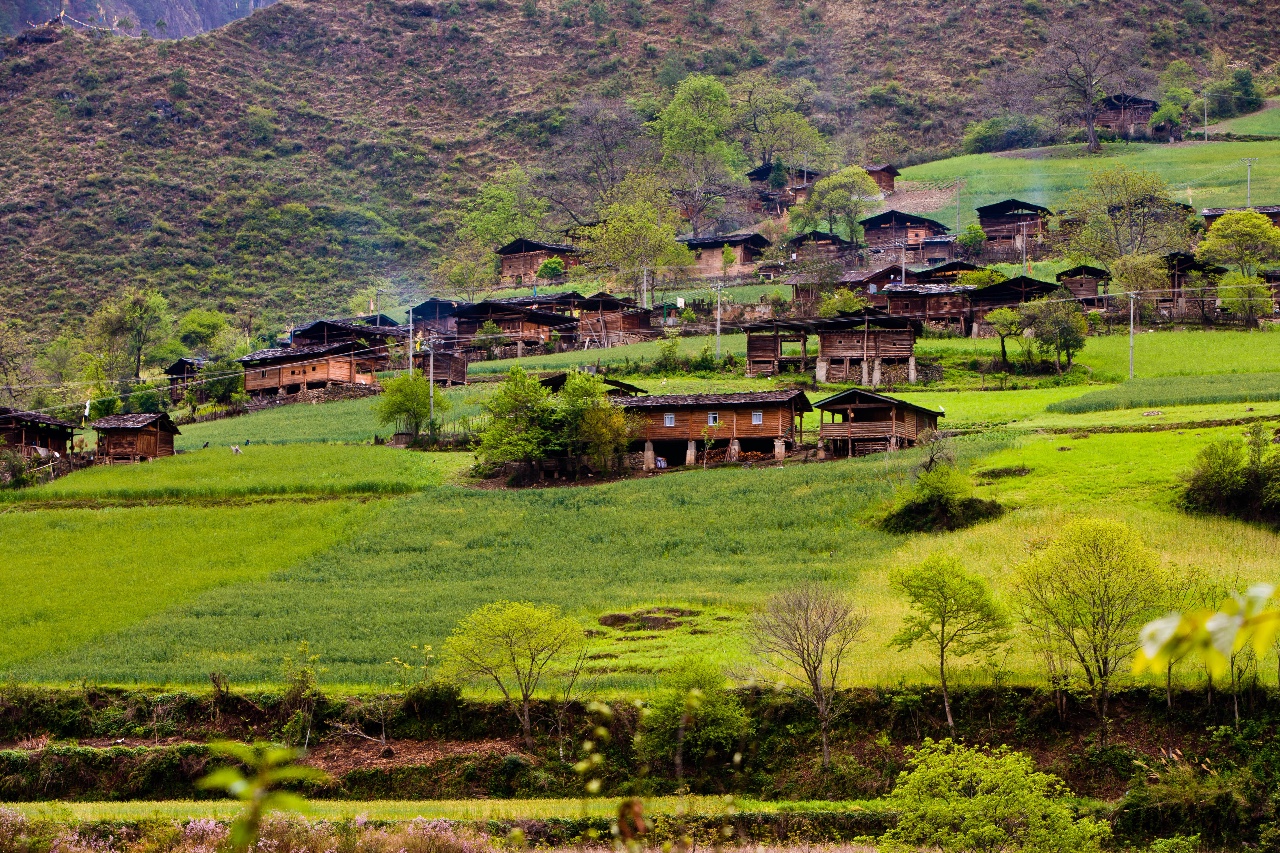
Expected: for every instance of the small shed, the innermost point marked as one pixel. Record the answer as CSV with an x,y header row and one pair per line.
x,y
521,258
1126,115
774,191
182,374
766,347
861,347
1086,283
446,367
819,246
33,433
894,231
436,315
884,174
1005,294
708,254
1012,221
134,438
752,421
857,422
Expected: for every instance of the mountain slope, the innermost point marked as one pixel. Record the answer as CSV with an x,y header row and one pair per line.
x,y
275,165
159,18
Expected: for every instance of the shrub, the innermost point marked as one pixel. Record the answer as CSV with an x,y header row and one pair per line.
x,y
956,798
940,499
1006,132
1236,478
695,719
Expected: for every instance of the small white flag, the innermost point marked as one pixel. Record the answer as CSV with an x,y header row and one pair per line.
x,y
86,408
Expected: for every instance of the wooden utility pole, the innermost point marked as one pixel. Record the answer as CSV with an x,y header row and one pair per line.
x,y
1133,301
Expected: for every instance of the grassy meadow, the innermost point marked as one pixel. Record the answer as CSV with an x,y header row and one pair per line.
x,y
1201,174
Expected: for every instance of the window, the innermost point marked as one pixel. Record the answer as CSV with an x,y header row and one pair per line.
x,y
757,418
262,374
669,419
713,418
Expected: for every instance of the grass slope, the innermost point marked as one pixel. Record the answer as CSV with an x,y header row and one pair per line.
x,y
1175,391
1211,171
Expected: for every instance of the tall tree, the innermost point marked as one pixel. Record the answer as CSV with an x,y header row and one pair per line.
x,y
603,142
503,209
1124,211
521,428
802,635
704,168
636,235
771,127
1084,64
14,353
1241,239
953,612
838,201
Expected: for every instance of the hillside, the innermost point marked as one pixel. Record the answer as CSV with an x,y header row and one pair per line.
x,y
158,18
271,167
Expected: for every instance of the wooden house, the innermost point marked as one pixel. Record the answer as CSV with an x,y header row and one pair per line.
x,y
1184,269
821,247
324,332
182,374
859,348
34,434
774,191
892,233
1086,283
861,422
754,421
708,254
1010,222
445,367
1128,116
436,317
929,295
519,324
1005,294
520,259
766,347
884,175
288,370
606,320
134,438
1211,214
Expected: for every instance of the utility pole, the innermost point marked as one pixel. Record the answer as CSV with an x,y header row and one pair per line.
x,y
1133,301
1248,180
719,288
959,188
1204,97
431,376
1025,270
410,343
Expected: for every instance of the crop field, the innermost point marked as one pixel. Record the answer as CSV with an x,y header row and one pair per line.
x,y
1175,391
1202,174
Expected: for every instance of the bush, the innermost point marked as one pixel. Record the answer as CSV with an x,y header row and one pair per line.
x,y
956,798
940,499
694,721
1236,478
1006,132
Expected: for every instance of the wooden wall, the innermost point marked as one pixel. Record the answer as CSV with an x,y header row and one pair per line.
x,y
308,370
880,343
779,422
523,268
148,442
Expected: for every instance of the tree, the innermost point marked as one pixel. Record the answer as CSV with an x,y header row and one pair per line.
x,y
489,337
143,315
1143,274
512,644
590,423
1089,591
364,301
972,240
14,353
551,268
978,279
802,635
1006,323
694,715
637,232
1123,211
469,268
406,401
521,427
703,166
1058,325
773,130
603,142
1085,63
503,209
200,327
952,611
958,799
842,301
838,201
1245,297
1241,239
222,380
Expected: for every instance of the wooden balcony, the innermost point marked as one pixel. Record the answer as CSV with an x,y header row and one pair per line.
x,y
864,430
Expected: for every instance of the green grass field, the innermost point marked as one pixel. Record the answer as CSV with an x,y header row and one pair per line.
x,y
1211,171
1262,123
1175,391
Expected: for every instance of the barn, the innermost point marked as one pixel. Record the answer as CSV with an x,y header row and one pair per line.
x,y
288,370
1086,283
857,422
521,258
1125,115
1211,214
134,438
752,421
708,254
1012,222
859,348
894,231
884,174
33,433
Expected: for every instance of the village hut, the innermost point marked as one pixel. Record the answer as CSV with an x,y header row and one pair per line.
x,y
708,254
521,258
820,246
1126,115
33,433
182,376
520,325
774,189
858,422
443,366
766,345
744,422
884,174
288,370
1211,214
920,238
864,347
1005,294
436,317
1010,223
134,438
1086,283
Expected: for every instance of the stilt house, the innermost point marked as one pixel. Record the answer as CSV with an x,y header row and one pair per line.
x,y
1008,223
33,434
755,422
182,374
134,438
857,422
288,370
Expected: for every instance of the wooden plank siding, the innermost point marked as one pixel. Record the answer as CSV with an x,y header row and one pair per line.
x,y
308,371
777,421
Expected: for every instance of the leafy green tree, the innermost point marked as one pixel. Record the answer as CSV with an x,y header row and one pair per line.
x,y
503,209
953,612
144,315
957,799
701,164
61,358
1124,211
550,268
272,766
222,380
972,240
1058,325
469,268
522,422
489,337
1241,239
981,278
842,301
199,328
1087,593
513,644
773,130
692,716
406,401
1006,323
1246,297
590,424
837,202
802,635
636,235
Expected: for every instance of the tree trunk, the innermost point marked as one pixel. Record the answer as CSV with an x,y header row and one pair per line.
x,y
946,696
826,744
1168,685
1092,133
1004,354
526,724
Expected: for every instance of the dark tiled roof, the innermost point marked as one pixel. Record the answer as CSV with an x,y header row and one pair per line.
x,y
1083,271
753,239
685,401
1011,205
138,421
887,168
859,394
522,245
356,327
17,415
893,217
1261,208
293,352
